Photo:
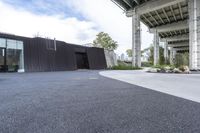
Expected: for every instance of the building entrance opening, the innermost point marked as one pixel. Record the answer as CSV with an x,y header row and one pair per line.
x,y
82,61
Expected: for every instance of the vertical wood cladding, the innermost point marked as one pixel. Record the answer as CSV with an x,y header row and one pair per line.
x,y
96,58
39,56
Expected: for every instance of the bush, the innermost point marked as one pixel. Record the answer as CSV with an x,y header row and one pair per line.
x,y
147,64
182,59
124,67
123,63
164,67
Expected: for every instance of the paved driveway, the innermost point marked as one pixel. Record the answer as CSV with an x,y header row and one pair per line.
x,y
181,85
85,102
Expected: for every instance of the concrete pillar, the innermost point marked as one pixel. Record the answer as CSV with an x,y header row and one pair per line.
x,y
166,55
174,54
136,40
194,26
171,56
156,48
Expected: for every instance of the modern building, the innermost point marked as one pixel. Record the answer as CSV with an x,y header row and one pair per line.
x,y
23,54
122,57
174,22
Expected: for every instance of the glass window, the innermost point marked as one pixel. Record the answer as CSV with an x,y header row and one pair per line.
x,y
11,44
2,42
20,45
2,59
51,45
15,55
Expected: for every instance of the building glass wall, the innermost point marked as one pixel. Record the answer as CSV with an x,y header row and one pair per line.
x,y
11,55
2,43
2,54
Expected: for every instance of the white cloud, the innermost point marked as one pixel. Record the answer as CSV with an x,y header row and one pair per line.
x,y
101,15
112,20
21,22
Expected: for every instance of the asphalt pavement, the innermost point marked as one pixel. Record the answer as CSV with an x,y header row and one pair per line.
x,y
85,102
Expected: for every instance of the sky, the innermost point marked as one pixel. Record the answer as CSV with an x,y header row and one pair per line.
x,y
72,21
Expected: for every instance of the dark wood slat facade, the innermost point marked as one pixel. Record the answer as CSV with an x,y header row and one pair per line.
x,y
38,57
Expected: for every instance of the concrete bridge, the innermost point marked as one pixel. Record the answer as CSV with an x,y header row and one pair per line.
x,y
174,22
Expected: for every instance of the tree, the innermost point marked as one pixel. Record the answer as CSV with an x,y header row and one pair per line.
x,y
129,52
182,59
151,57
161,55
103,40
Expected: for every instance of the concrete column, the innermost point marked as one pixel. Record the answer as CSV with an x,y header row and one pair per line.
x,y
194,26
156,48
171,56
136,40
166,55
174,54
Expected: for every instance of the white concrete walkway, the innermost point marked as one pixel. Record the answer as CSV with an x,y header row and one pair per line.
x,y
181,85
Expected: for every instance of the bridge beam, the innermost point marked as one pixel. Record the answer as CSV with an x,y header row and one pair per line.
x,y
184,44
176,38
171,27
181,49
152,5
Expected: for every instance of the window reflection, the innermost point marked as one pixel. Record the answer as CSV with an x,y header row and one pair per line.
x,y
14,55
2,59
2,43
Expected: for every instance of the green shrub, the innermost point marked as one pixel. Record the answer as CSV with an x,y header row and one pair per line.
x,y
164,66
182,59
147,64
123,67
123,63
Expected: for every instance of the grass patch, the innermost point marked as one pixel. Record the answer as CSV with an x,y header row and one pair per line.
x,y
124,67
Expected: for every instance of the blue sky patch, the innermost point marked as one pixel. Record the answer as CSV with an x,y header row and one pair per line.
x,y
46,7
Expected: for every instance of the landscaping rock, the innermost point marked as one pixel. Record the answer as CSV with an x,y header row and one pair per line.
x,y
169,71
176,70
158,70
153,70
185,69
167,68
163,71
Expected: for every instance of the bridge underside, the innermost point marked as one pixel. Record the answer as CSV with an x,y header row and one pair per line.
x,y
174,22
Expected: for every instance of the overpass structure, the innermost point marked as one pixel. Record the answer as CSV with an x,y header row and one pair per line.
x,y
174,22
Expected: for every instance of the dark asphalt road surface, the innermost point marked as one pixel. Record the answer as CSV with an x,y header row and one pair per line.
x,y
85,102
